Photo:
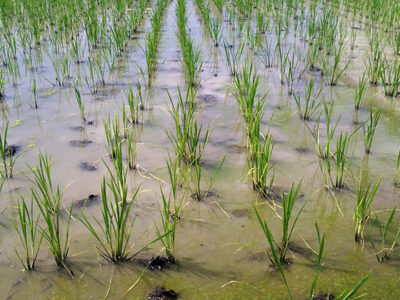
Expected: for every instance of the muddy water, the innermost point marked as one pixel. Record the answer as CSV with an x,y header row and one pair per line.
x,y
219,243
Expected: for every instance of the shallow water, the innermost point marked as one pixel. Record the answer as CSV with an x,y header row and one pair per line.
x,y
220,246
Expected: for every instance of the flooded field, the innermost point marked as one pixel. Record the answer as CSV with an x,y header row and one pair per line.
x,y
200,149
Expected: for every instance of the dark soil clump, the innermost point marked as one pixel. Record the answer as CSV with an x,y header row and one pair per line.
x,y
80,143
85,166
89,201
11,150
160,262
161,293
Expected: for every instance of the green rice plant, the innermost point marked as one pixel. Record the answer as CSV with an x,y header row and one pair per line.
x,y
266,54
246,85
131,150
336,173
169,216
389,74
395,41
259,158
34,93
335,71
116,226
364,196
288,224
383,252
199,194
397,174
233,54
360,91
188,134
369,129
312,101
2,84
374,64
79,101
318,269
219,4
323,151
113,135
216,32
136,106
48,199
29,234
7,154
283,61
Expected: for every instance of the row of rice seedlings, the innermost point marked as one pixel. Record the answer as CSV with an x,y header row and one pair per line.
x,y
7,154
364,197
188,139
213,25
116,227
369,129
47,197
312,101
153,38
191,54
288,225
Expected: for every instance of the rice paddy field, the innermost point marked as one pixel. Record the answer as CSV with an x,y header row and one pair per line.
x,y
199,149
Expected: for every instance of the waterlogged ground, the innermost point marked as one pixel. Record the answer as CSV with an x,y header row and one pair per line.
x,y
220,246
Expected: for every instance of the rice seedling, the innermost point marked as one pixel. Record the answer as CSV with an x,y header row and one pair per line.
x,y
131,150
187,141
360,91
169,216
216,32
233,54
369,129
364,196
29,234
79,101
219,4
136,106
48,199
397,174
246,86
34,93
335,71
318,269
283,61
116,226
338,165
382,251
259,158
374,64
323,151
2,84
198,193
288,225
389,74
312,101
7,154
113,135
